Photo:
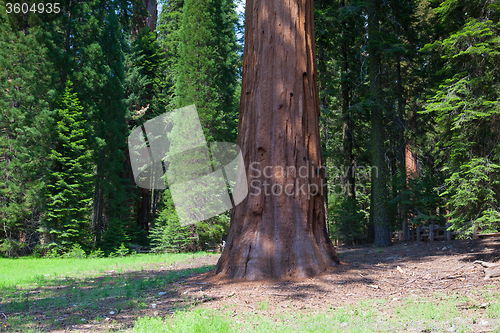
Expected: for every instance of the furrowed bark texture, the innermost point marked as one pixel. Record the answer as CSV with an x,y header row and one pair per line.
x,y
379,191
279,230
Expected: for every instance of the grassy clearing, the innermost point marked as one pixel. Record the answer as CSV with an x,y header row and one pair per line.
x,y
44,294
26,271
440,313
41,295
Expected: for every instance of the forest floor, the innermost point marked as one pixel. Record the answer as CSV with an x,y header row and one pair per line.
x,y
383,281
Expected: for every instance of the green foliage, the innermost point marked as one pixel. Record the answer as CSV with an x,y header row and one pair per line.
x,y
53,254
80,80
167,235
116,234
210,232
423,200
10,247
349,220
96,254
473,195
169,25
147,89
25,124
466,110
208,64
75,252
68,184
122,251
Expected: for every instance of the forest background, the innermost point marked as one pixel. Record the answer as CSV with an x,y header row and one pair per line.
x,y
74,84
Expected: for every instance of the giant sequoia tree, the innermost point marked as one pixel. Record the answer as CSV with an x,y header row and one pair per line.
x,y
279,230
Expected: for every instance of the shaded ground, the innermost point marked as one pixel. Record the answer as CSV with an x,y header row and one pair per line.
x,y
391,273
394,274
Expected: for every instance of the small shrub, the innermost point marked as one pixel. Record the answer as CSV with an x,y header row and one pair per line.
x,y
40,251
96,254
9,247
53,253
121,252
76,251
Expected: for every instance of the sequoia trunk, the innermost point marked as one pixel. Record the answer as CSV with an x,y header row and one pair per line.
x,y
279,230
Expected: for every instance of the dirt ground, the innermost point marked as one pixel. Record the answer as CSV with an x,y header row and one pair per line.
x,y
366,272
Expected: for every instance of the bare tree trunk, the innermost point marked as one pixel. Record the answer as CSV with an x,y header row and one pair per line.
x,y
379,186
98,219
279,230
347,127
152,8
402,148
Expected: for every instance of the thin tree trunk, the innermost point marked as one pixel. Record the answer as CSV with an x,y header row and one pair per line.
x,y
98,207
379,193
151,19
401,143
279,230
347,127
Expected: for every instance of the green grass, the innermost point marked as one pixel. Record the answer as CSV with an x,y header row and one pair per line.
x,y
197,321
28,271
45,294
83,291
437,314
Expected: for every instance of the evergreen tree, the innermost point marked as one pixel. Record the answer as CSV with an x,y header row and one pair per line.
x,y
169,27
341,81
207,65
68,184
466,110
167,235
25,123
110,195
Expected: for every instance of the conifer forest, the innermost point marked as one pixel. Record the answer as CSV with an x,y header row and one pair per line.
x,y
408,118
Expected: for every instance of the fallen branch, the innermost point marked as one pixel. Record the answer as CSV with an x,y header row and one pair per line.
x,y
491,270
453,276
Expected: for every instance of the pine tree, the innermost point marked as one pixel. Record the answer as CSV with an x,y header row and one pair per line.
x,y
207,65
110,195
69,182
25,121
169,27
466,110
167,235
340,41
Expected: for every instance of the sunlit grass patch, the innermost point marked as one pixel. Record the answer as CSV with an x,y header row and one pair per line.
x,y
40,271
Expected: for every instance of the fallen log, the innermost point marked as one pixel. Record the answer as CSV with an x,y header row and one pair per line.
x,y
491,270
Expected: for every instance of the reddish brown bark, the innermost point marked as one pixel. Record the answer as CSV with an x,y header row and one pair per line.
x,y
273,234
411,162
146,18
